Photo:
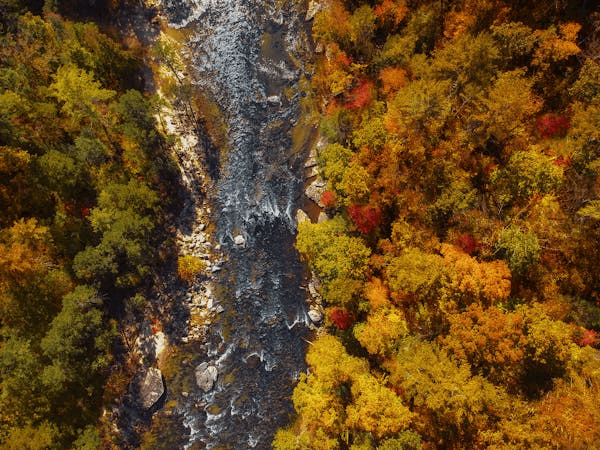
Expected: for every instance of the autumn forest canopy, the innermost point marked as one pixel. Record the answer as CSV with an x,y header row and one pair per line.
x,y
459,265
82,188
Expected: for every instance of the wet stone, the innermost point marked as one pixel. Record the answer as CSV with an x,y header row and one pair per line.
x,y
253,361
239,241
206,375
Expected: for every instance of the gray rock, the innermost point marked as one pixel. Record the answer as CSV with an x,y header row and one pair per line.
x,y
152,388
315,190
315,315
313,8
301,216
311,161
239,241
313,287
206,375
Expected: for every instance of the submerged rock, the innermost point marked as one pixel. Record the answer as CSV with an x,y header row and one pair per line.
x,y
206,375
152,388
240,241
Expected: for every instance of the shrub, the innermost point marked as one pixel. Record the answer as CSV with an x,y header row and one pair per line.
x,y
189,266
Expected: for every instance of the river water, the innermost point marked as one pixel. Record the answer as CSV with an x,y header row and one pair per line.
x,y
247,55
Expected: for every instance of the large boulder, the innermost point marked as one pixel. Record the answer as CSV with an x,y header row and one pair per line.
x,y
315,190
206,375
152,388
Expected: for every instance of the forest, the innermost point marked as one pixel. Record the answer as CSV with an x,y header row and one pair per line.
x,y
82,190
459,264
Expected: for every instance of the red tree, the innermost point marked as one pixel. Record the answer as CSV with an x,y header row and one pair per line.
x,y
328,200
341,318
364,217
469,244
590,337
360,96
552,125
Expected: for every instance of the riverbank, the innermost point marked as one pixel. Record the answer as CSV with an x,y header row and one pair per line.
x,y
229,342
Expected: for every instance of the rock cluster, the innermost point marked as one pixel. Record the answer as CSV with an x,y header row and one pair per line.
x,y
206,376
315,301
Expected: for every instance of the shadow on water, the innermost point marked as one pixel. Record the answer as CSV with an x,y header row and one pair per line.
x,y
212,153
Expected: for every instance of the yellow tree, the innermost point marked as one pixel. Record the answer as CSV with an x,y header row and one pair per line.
x,y
382,331
507,106
375,408
454,406
492,341
31,286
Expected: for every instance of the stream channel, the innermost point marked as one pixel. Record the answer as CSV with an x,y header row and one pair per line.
x,y
245,54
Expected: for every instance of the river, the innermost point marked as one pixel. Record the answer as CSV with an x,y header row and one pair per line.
x,y
246,54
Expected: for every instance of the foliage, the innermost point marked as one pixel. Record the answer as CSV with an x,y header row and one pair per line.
x,y
341,394
338,258
463,158
551,125
520,249
189,266
364,217
80,182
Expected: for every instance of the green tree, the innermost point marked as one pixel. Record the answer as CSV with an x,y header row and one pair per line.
x,y
334,255
80,95
526,174
23,398
124,220
519,249
77,341
137,119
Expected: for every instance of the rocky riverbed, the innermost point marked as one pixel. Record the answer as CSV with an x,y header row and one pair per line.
x,y
230,345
